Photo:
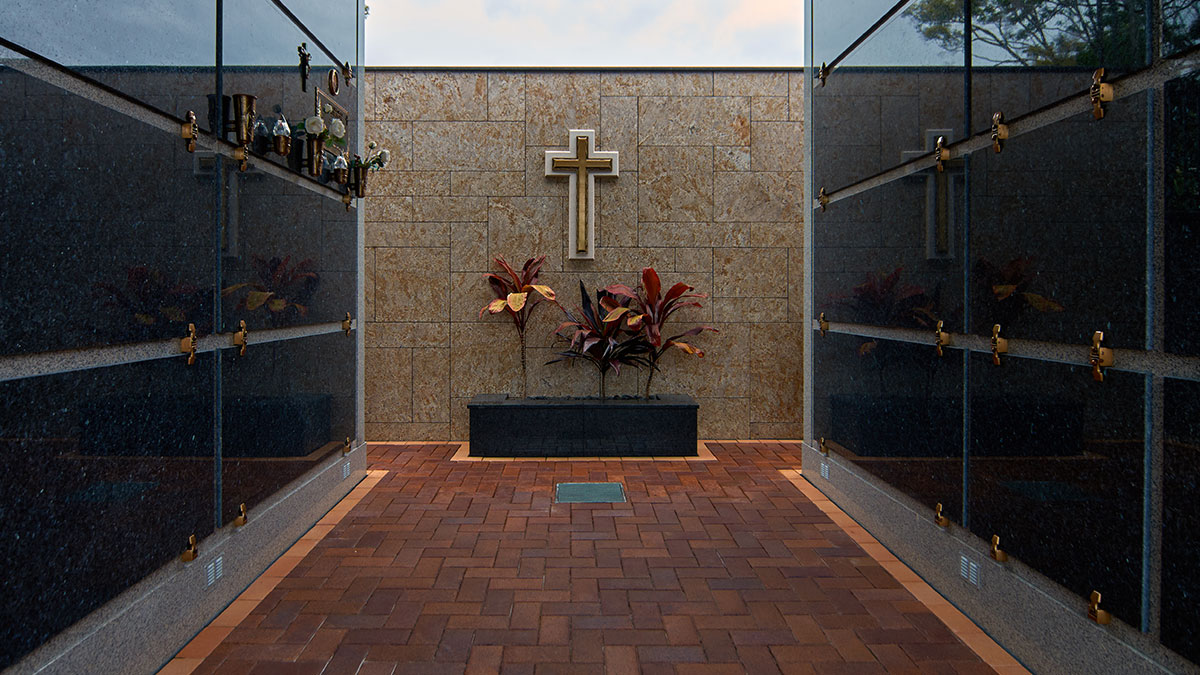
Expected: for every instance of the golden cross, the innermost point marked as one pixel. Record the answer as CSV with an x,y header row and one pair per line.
x,y
581,163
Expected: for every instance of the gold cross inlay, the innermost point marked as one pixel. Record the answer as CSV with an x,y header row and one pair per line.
x,y
581,162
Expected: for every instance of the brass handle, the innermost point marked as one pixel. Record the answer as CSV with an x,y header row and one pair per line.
x,y
822,73
939,517
239,338
995,552
190,553
1099,356
823,324
346,446
822,447
1096,614
941,154
190,131
941,339
187,345
347,323
1100,92
999,132
243,518
822,199
999,345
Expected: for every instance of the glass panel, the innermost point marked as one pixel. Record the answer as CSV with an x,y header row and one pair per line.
x,y
335,22
1181,25
1058,253
107,473
894,409
289,256
1056,471
287,406
1181,518
159,52
261,59
111,240
885,105
1054,47
1181,141
891,256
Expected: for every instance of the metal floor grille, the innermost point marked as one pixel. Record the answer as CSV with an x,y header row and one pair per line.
x,y
589,493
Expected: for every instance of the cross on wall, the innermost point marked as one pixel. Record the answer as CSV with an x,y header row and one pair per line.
x,y
582,164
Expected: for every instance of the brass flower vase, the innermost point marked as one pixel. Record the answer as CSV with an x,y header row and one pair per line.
x,y
316,155
359,184
283,145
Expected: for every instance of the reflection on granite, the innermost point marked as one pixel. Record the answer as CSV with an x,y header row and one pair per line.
x,y
92,503
1056,471
288,406
895,410
1180,624
1181,197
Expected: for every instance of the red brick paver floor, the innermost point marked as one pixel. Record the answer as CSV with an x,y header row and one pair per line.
x,y
711,567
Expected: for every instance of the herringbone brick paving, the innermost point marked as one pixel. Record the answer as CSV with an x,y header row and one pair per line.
x,y
711,567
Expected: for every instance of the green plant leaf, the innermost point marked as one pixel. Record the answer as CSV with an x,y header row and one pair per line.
x,y
277,305
1041,303
256,299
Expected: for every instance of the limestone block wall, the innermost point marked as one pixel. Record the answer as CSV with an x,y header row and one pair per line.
x,y
709,194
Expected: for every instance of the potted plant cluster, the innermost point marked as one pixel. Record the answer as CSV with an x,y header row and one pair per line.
x,y
622,327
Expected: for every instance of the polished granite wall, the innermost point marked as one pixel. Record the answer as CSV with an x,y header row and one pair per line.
x,y
709,194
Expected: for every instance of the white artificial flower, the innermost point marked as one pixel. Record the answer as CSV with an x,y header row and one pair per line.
x,y
314,125
372,145
384,158
337,127
328,108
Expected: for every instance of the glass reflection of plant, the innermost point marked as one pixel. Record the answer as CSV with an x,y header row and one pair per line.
x,y
151,299
1003,292
284,290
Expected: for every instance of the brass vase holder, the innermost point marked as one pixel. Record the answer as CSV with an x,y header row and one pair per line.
x,y
316,155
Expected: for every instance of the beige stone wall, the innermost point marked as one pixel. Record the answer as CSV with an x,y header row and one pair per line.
x,y
709,194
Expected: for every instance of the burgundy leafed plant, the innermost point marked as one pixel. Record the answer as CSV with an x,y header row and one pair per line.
x,y
151,299
653,308
512,290
602,336
285,291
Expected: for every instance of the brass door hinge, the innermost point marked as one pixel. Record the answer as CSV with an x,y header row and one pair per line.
x,y
189,131
995,552
939,518
190,553
940,154
1100,92
239,338
347,323
941,339
187,345
999,345
243,518
1096,614
1099,357
999,132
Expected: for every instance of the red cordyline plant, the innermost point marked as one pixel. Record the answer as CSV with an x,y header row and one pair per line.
x,y
601,336
649,313
512,291
285,290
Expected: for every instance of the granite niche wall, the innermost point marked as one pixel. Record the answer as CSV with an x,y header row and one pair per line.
x,y
709,193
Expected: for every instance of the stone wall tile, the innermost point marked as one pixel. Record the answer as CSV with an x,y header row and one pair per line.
x,y
697,260
656,84
469,247
484,359
764,108
722,373
431,385
749,273
616,210
781,430
758,196
506,96
777,368
407,183
618,129
679,120
731,158
756,83
524,227
407,234
369,285
537,183
410,284
430,95
694,234
396,137
388,385
488,183
750,309
776,235
675,184
412,334
556,102
450,209
776,146
468,146
626,259
383,208
796,95
417,431
723,418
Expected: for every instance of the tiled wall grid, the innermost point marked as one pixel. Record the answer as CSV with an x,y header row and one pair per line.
x,y
709,193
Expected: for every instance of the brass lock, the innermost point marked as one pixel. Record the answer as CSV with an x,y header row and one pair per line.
x,y
239,338
190,553
999,132
823,324
1099,356
941,339
243,518
1100,92
999,345
941,154
939,517
189,131
1096,614
187,345
995,552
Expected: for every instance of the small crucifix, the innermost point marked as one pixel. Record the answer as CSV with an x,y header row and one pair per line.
x,y
941,197
582,164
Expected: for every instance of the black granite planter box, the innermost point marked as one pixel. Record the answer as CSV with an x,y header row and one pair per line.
x,y
583,427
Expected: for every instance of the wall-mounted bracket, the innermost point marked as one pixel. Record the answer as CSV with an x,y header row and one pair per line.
x,y
347,72
305,58
822,446
822,73
941,339
239,338
941,154
999,132
189,131
239,155
1099,357
939,518
1100,92
995,552
348,200
822,199
187,345
999,345
1096,614
243,518
823,324
347,446
190,553
347,323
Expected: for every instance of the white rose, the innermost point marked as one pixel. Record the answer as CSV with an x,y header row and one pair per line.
x,y
337,127
372,145
384,158
314,125
328,108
